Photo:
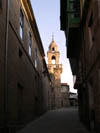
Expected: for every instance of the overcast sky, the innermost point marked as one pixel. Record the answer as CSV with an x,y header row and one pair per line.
x,y
47,15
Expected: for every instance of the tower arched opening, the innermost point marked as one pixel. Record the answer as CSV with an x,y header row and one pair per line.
x,y
53,49
53,59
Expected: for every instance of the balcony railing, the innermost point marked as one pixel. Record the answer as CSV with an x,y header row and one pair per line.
x,y
55,65
70,13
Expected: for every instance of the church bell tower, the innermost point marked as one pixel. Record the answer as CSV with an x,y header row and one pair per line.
x,y
53,61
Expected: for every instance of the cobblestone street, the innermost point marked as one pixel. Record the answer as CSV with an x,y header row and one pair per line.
x,y
57,121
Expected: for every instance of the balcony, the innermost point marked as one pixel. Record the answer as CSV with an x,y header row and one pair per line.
x,y
70,13
73,13
70,23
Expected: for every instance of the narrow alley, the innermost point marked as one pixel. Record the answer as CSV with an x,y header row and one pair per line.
x,y
49,66
57,121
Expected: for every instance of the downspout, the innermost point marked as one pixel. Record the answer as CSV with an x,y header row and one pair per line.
x,y
6,68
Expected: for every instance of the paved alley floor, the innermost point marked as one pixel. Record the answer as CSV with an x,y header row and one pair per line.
x,y
58,121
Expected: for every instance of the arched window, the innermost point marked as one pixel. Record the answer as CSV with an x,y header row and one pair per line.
x,y
53,60
53,49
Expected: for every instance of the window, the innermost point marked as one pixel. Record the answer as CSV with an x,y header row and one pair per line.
x,y
20,53
72,15
53,49
35,58
63,89
30,44
75,8
0,3
71,6
21,24
62,104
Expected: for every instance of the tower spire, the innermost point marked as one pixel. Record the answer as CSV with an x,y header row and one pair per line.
x,y
52,37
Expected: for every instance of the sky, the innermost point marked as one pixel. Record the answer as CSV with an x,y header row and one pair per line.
x,y
47,15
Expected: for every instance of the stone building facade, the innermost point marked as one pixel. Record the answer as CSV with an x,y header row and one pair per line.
x,y
65,95
73,98
48,89
87,61
55,70
52,93
90,62
23,94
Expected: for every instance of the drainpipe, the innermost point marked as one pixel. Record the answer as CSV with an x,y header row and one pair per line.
x,y
6,69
